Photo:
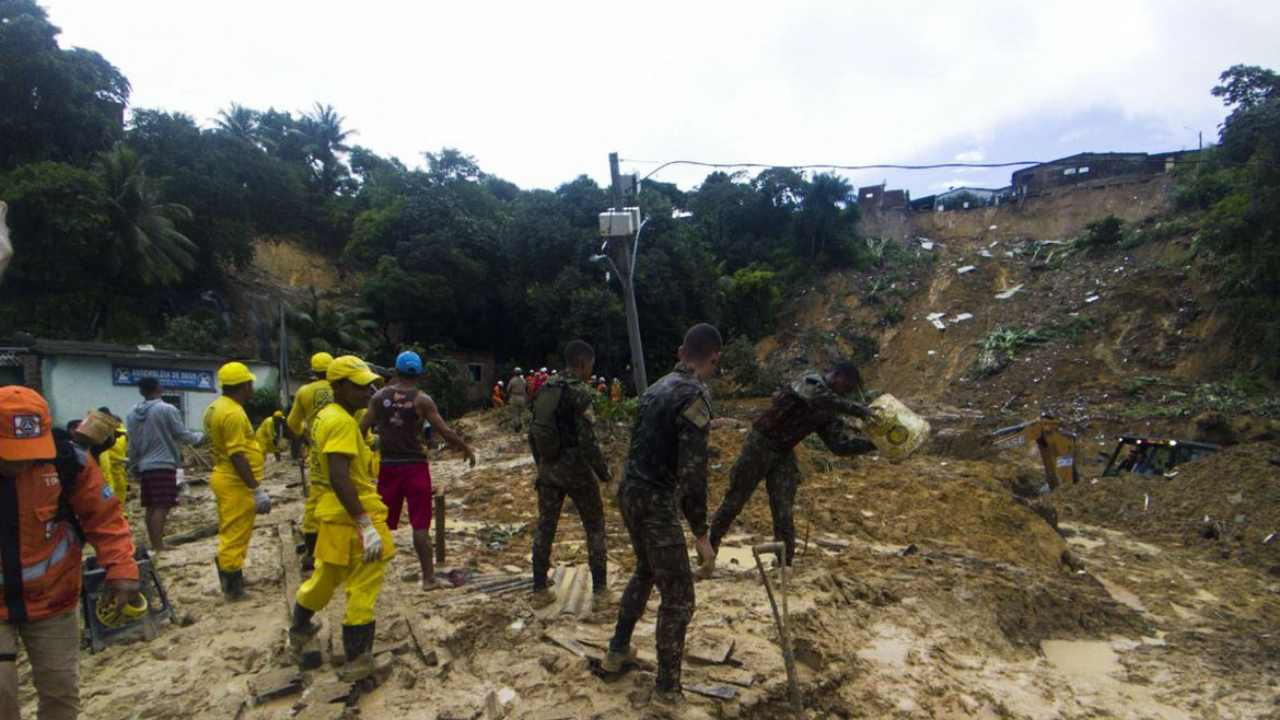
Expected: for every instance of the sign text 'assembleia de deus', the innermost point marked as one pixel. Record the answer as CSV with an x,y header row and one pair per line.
x,y
170,378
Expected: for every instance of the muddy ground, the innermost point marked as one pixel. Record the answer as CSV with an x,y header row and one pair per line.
x,y
925,590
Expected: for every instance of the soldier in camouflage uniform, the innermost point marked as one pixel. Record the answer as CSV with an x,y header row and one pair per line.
x,y
573,471
666,464
814,403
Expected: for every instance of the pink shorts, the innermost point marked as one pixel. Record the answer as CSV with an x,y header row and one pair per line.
x,y
411,482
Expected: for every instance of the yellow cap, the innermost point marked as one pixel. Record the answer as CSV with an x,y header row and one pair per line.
x,y
278,414
320,362
352,368
234,373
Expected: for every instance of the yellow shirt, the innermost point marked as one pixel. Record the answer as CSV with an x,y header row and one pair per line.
x,y
267,436
336,433
309,401
229,432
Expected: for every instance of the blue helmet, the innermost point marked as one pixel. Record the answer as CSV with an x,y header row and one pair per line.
x,y
409,363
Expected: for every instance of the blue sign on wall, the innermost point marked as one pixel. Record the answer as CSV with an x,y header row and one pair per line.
x,y
170,378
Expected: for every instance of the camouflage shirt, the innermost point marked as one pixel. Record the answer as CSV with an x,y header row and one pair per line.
x,y
808,405
669,442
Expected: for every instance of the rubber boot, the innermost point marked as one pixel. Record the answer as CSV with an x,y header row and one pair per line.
x,y
304,628
357,644
227,581
235,591
309,556
222,579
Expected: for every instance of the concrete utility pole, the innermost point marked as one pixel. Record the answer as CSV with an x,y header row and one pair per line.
x,y
621,248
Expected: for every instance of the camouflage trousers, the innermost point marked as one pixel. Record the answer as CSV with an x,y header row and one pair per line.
x,y
575,480
760,459
662,559
517,415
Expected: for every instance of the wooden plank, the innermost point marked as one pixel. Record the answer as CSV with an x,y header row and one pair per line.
x,y
309,656
722,692
200,533
567,643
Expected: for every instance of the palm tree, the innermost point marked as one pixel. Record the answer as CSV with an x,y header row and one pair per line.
x,y
240,121
325,139
325,327
143,239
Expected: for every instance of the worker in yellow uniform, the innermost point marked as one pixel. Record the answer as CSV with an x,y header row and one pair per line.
x,y
270,434
354,544
309,401
237,468
115,465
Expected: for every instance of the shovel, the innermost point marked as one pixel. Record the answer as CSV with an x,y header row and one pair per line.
x,y
788,657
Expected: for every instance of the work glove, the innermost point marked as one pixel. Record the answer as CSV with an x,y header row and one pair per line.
x,y
261,501
370,540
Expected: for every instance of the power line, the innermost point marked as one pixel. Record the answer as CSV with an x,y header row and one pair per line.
x,y
662,165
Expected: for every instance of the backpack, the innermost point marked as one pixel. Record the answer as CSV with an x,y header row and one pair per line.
x,y
552,428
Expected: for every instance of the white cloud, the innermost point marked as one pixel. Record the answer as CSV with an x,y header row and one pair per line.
x,y
970,156
540,93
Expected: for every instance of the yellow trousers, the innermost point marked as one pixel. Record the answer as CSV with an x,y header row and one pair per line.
x,y
235,519
339,562
118,478
310,525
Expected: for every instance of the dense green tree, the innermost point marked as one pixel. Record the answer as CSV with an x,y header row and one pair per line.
x,y
55,104
1236,191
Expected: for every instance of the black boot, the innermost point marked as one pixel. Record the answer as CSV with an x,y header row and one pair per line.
x,y
357,644
309,557
304,628
234,589
223,583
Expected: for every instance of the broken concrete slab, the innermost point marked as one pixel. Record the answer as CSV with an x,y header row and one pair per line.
x,y
331,691
275,684
712,648
733,676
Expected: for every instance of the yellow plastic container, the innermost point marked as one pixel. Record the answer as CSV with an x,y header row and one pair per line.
x,y
899,432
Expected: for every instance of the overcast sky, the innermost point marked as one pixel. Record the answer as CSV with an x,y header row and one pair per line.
x,y
540,92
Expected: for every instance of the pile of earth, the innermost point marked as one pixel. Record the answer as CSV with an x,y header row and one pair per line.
x,y
1228,502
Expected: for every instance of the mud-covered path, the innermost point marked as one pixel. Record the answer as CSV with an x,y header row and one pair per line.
x,y
978,622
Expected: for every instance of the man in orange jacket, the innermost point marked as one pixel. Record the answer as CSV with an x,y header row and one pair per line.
x,y
47,489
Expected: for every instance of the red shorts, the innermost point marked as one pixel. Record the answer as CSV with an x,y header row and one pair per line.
x,y
159,488
411,482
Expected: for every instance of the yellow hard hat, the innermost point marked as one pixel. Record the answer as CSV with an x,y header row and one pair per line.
x,y
234,373
320,362
350,367
278,414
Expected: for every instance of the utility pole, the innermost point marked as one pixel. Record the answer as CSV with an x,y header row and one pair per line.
x,y
622,252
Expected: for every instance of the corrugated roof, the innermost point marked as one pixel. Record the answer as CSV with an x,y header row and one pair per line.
x,y
131,352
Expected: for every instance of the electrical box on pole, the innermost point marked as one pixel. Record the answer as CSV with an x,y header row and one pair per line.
x,y
620,223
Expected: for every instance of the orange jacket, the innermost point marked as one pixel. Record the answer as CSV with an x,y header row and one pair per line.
x,y
46,579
